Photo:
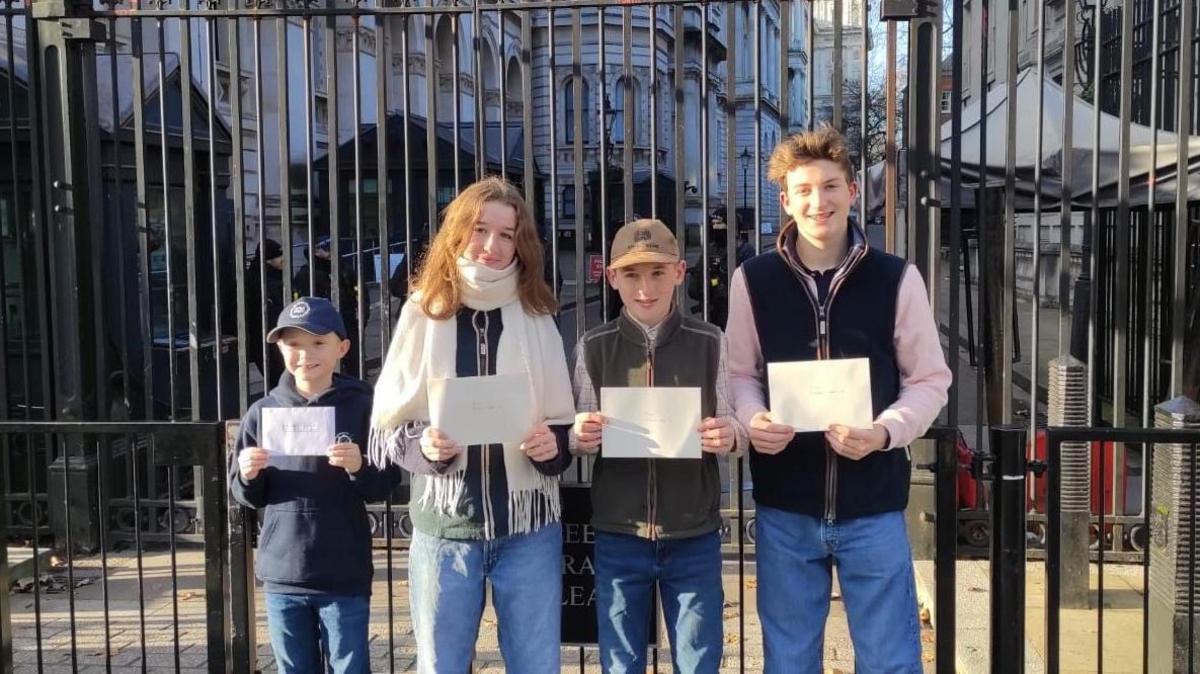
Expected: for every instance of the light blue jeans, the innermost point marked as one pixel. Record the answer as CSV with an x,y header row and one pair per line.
x,y
795,557
688,574
306,628
446,594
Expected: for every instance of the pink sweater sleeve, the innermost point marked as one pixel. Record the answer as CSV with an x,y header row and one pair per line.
x,y
924,376
745,355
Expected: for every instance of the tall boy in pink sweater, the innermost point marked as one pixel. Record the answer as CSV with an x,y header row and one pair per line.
x,y
835,498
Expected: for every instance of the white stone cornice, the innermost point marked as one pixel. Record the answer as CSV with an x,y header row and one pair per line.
x,y
366,40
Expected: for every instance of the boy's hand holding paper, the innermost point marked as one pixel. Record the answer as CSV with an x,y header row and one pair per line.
x,y
251,461
588,430
856,443
768,437
346,455
716,435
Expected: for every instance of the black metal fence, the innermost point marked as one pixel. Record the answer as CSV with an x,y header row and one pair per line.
x,y
87,460
148,151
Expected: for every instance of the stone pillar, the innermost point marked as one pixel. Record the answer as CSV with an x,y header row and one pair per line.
x,y
1172,540
1067,406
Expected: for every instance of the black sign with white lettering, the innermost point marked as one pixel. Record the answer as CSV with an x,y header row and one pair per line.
x,y
579,627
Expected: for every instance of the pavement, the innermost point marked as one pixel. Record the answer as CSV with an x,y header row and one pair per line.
x,y
148,626
1079,628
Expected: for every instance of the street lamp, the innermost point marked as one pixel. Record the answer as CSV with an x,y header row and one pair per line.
x,y
607,166
610,117
745,157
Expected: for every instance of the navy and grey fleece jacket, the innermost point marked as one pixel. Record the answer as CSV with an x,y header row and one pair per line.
x,y
315,538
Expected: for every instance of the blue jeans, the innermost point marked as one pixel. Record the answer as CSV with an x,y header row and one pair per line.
x,y
688,572
308,628
446,594
795,557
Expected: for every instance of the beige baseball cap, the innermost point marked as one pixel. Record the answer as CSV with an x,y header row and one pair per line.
x,y
644,240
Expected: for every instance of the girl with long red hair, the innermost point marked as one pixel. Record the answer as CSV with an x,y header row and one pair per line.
x,y
480,307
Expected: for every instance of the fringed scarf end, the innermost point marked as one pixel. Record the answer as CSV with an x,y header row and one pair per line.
x,y
532,509
443,492
384,446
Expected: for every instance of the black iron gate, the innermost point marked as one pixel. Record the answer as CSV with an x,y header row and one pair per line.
x,y
149,150
88,458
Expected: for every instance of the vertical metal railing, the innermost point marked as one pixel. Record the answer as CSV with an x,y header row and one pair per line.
x,y
231,99
196,445
1168,569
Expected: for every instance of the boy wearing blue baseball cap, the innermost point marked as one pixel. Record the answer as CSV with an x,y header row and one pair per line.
x,y
299,455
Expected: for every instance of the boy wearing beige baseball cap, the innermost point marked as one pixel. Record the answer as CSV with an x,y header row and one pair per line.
x,y
656,520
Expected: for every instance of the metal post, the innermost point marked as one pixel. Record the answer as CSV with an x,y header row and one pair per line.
x,y
922,238
1008,549
241,648
69,107
6,631
890,159
992,288
946,549
216,544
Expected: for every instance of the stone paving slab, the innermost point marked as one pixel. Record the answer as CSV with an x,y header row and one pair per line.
x,y
144,626
1078,640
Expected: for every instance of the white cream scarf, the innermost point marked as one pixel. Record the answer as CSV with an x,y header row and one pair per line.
x,y
423,348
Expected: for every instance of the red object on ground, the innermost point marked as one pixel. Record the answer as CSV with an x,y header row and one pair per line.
x,y
968,488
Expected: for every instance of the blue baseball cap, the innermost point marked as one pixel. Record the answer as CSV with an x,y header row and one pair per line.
x,y
314,315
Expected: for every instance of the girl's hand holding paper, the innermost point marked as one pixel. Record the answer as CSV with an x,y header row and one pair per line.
x,y
437,446
540,444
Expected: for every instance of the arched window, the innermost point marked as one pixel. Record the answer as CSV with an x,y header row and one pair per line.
x,y
620,100
568,122
513,86
444,50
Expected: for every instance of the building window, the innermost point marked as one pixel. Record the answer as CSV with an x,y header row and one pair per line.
x,y
569,110
568,201
945,101
321,112
618,112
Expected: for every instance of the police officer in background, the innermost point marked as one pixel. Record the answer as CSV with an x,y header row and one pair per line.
x,y
264,293
319,265
716,274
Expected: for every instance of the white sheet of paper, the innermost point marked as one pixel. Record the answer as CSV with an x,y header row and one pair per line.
x,y
297,431
809,395
482,410
651,423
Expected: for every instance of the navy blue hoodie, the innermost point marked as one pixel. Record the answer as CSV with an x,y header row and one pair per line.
x,y
315,538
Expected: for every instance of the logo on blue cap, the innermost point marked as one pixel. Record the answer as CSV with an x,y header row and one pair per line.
x,y
314,315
